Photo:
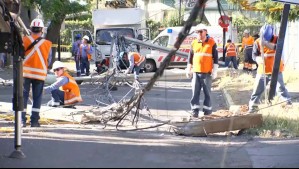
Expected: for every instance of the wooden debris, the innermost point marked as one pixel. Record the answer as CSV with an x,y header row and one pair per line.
x,y
218,122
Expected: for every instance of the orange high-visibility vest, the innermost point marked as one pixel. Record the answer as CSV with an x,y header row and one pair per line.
x,y
231,50
138,59
202,58
71,90
35,64
88,54
247,42
269,56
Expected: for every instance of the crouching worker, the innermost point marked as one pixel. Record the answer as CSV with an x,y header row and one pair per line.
x,y
137,62
70,91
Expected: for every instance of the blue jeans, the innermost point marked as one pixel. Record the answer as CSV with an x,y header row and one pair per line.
x,y
78,67
201,81
37,93
137,69
231,59
57,98
85,66
259,89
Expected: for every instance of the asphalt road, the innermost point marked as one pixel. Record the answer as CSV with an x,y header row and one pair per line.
x,y
92,146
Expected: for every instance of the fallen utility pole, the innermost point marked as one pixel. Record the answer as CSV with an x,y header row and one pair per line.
x,y
156,47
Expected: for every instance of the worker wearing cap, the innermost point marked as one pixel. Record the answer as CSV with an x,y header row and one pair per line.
x,y
264,71
202,67
85,54
136,63
35,65
70,91
247,44
76,54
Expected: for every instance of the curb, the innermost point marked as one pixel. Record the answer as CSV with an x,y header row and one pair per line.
x,y
228,99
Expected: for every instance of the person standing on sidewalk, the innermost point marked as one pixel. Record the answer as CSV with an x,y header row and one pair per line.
x,y
230,54
70,93
85,55
35,65
247,43
2,61
269,42
76,54
202,66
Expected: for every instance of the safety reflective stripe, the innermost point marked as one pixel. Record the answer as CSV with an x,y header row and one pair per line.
x,y
207,108
73,100
35,110
35,70
269,54
228,52
36,48
195,106
55,103
34,76
199,54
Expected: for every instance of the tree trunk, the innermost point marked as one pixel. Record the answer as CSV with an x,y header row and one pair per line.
x,y
53,36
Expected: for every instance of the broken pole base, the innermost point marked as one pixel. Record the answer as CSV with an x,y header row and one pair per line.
x,y
203,128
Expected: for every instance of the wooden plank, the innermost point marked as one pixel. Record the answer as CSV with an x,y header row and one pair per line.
x,y
202,128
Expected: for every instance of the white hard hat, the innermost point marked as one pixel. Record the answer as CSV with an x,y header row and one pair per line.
x,y
200,27
57,64
86,37
37,23
246,31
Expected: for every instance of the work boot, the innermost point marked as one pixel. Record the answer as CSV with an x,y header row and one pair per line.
x,y
253,109
195,113
207,113
35,124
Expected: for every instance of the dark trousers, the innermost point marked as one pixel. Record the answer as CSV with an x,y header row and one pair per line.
x,y
37,93
78,67
201,81
57,98
231,59
85,66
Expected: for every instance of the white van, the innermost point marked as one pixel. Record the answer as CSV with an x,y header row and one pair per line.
x,y
168,37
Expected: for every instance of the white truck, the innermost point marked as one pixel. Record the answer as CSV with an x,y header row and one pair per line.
x,y
122,21
168,37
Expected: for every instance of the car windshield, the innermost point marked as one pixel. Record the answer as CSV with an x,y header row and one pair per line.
x,y
104,36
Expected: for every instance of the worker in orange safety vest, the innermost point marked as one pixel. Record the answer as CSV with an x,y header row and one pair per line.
x,y
247,44
85,55
35,66
202,66
265,68
70,91
230,52
136,63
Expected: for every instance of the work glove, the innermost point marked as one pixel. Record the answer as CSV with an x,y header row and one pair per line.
x,y
269,45
214,72
189,71
127,71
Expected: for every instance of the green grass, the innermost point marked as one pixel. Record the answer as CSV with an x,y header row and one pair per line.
x,y
278,121
277,127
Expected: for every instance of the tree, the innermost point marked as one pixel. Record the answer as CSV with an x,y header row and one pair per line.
x,y
271,10
54,12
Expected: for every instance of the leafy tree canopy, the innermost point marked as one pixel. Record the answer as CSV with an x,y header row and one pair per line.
x,y
271,10
56,10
